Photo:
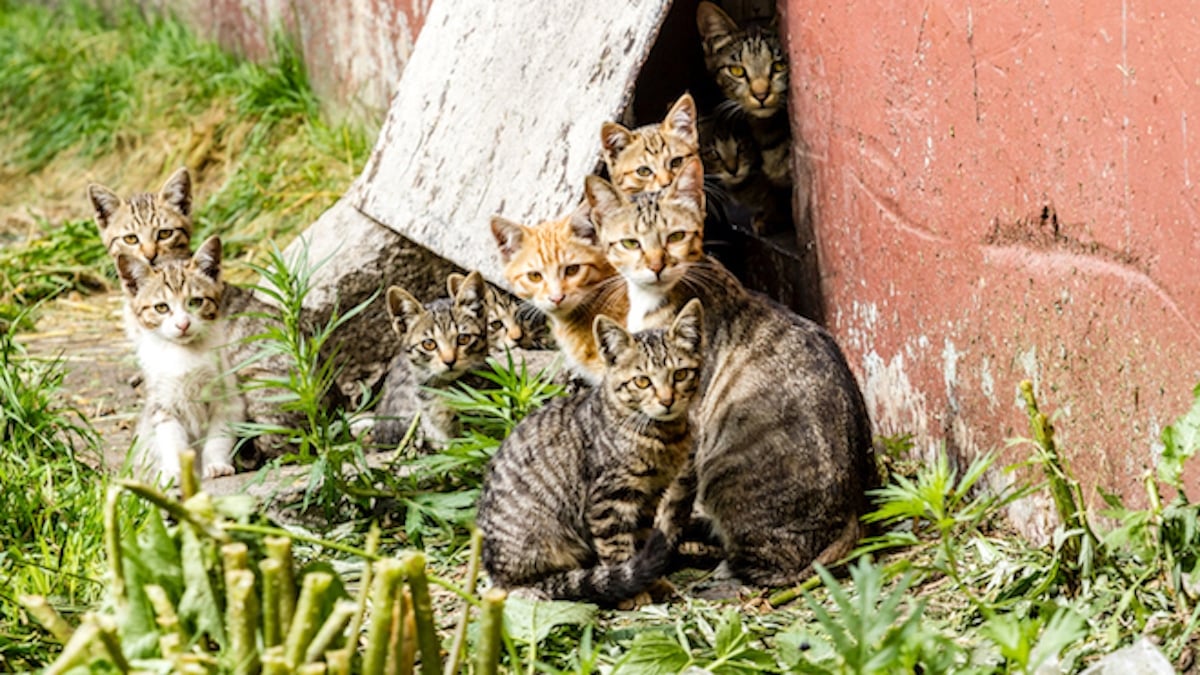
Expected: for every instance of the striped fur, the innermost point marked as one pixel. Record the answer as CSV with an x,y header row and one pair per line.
x,y
783,441
153,227
577,484
512,324
748,64
731,157
191,399
557,267
649,157
440,342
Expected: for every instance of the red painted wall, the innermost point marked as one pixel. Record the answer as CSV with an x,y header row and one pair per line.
x,y
1006,190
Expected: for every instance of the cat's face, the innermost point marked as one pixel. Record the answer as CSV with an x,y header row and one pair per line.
x,y
727,149
650,157
445,338
555,265
505,330
748,64
651,238
178,300
653,372
147,226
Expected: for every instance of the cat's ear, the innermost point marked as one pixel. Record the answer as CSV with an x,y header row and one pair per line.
x,y
611,339
403,308
454,282
614,138
509,236
207,258
105,203
689,185
687,330
471,294
133,272
716,28
177,191
681,120
603,197
582,227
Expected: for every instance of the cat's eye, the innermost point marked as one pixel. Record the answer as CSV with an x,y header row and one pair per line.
x,y
641,381
682,374
465,339
130,239
644,171
163,235
162,308
195,303
737,71
429,344
676,162
534,276
631,244
676,237
779,66
571,270
496,325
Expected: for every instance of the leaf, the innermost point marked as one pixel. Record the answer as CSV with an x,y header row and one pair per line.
x,y
653,653
530,621
730,636
199,607
1180,442
1064,628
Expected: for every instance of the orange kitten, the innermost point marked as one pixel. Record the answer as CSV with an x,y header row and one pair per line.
x,y
649,157
558,267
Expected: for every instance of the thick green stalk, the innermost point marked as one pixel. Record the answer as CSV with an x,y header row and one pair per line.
x,y
187,475
51,620
241,619
112,542
431,648
172,640
270,570
111,642
404,641
334,624
491,627
337,661
280,549
274,662
308,616
454,658
388,575
364,588
77,650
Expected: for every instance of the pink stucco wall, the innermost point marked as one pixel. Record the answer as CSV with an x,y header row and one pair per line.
x,y
1005,191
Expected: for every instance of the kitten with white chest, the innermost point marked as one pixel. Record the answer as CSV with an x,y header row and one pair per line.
x,y
191,397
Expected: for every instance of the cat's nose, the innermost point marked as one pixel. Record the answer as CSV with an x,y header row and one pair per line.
x,y
557,299
183,325
655,262
515,333
449,360
667,399
760,91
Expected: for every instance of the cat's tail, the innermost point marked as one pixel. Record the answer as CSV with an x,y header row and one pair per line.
x,y
607,585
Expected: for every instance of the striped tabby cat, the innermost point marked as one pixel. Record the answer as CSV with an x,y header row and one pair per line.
x,y
511,323
573,489
440,342
749,66
648,157
191,396
783,441
731,158
149,226
557,267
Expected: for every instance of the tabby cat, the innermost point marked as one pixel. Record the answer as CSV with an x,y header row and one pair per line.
x,y
783,444
557,267
511,323
577,484
440,342
749,66
648,157
150,226
731,157
191,399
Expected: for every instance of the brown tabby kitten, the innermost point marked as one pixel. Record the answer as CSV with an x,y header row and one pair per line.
x,y
648,157
783,441
147,226
557,267
570,491
749,66
191,400
511,323
731,157
440,342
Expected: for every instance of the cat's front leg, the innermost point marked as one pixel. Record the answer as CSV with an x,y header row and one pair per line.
x,y
168,439
612,518
217,457
675,508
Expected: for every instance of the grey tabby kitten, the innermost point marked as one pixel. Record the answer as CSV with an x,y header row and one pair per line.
x,y
512,324
575,486
783,442
191,399
440,342
150,226
749,66
731,158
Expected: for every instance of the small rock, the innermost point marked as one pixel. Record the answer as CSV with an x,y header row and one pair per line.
x,y
1140,658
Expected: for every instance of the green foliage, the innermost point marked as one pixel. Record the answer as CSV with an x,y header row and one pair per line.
x,y
726,649
57,259
494,412
1181,441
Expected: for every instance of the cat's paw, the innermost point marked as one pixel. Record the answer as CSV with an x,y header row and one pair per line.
x,y
218,469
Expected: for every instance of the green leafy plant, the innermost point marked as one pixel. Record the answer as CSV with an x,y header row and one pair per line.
x,y
727,648
55,259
